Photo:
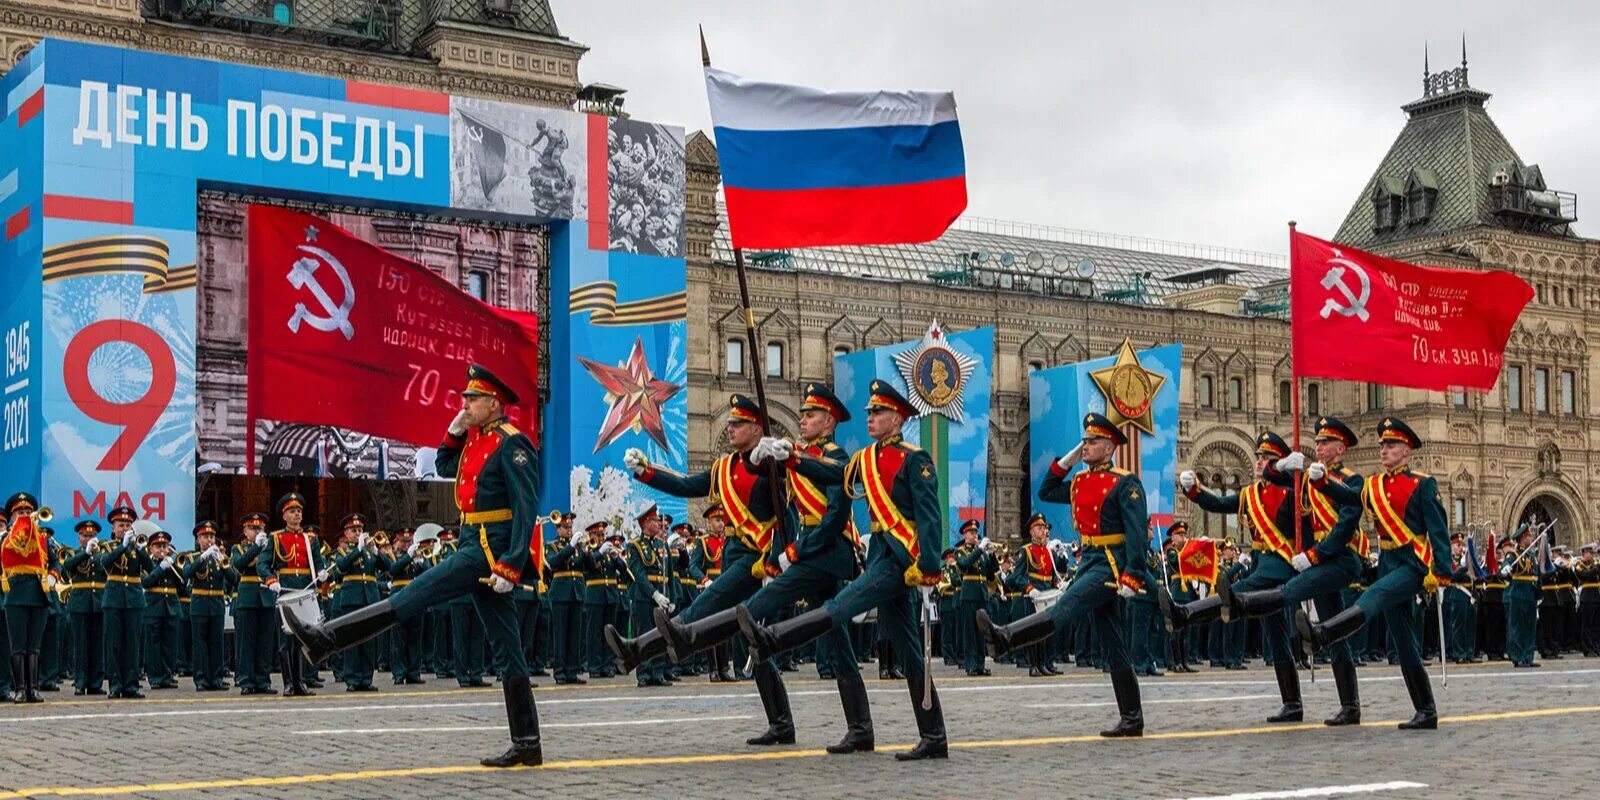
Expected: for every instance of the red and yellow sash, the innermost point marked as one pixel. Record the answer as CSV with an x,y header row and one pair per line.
x,y
1260,502
1392,522
1040,562
879,465
735,484
24,552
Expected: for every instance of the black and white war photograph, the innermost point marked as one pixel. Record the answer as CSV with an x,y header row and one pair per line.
x,y
514,159
645,168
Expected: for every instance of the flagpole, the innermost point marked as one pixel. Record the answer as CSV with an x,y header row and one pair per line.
x,y
758,375
1294,410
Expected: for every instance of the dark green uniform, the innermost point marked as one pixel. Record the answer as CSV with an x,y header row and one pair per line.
x,y
209,580
87,619
162,587
356,570
976,566
255,627
565,597
1460,614
1522,608
290,561
653,571
406,642
123,604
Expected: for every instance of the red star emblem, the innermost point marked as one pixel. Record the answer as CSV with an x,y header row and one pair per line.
x,y
634,395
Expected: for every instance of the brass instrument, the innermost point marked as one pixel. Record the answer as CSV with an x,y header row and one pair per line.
x,y
554,518
141,540
381,539
43,514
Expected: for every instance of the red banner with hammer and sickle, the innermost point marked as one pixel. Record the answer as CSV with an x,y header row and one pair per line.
x,y
345,333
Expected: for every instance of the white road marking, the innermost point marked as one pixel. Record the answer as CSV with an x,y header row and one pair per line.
x,y
1158,702
457,728
896,689
1319,791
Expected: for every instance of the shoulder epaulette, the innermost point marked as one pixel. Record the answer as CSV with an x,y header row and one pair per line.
x,y
1420,474
507,429
832,447
908,447
1120,471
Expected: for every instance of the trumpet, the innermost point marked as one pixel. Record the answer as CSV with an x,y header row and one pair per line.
x,y
44,514
141,540
554,518
381,539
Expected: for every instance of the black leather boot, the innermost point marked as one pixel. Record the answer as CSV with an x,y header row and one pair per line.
x,y
1177,616
885,660
775,700
633,652
767,641
1344,678
1001,638
930,725
1316,635
1251,605
1126,686
719,657
858,737
1289,690
30,684
685,640
1421,691
294,683
326,638
523,719
19,677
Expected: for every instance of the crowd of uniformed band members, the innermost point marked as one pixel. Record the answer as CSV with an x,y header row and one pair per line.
x,y
121,614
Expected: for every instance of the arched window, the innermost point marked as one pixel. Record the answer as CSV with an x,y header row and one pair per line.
x,y
1314,400
1285,397
1235,393
774,365
1207,398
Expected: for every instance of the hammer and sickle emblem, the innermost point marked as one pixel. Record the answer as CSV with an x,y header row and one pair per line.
x,y
336,316
1355,302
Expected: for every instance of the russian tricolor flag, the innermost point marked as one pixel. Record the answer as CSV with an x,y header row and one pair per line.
x,y
803,167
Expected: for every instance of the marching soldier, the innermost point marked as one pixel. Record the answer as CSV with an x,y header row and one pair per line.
x,y
713,546
1522,601
527,599
1225,640
1036,573
1146,636
497,489
976,565
1415,555
356,567
292,559
1108,509
598,582
810,568
162,586
84,607
123,604
406,644
254,616
208,575
566,602
901,488
651,565
737,480
1182,590
29,570
1266,509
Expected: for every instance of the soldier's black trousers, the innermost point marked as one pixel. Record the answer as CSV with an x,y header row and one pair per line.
x,y
123,631
88,650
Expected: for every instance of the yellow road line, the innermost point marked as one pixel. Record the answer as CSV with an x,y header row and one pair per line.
x,y
715,758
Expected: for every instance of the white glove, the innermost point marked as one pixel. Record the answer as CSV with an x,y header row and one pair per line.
x,y
275,588
927,593
501,585
577,539
412,550
1291,462
166,563
361,541
1071,459
608,548
126,538
764,449
1301,562
634,459
50,582
983,543
458,426
783,562
261,539
1505,570
661,600
1316,471
1124,590
1187,480
782,449
322,577
674,540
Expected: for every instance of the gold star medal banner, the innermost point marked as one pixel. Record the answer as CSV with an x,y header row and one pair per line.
x,y
1138,391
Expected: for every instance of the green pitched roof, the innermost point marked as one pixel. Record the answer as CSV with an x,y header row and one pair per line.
x,y
1450,144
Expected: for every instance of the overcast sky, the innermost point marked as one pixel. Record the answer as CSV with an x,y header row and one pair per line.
x,y
1204,122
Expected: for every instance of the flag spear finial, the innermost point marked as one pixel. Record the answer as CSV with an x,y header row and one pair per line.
x,y
705,53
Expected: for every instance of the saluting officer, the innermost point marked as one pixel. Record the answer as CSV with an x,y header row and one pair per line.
x,y
497,489
84,606
123,603
1108,510
208,575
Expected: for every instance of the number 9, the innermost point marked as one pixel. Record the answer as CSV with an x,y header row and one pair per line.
x,y
137,418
